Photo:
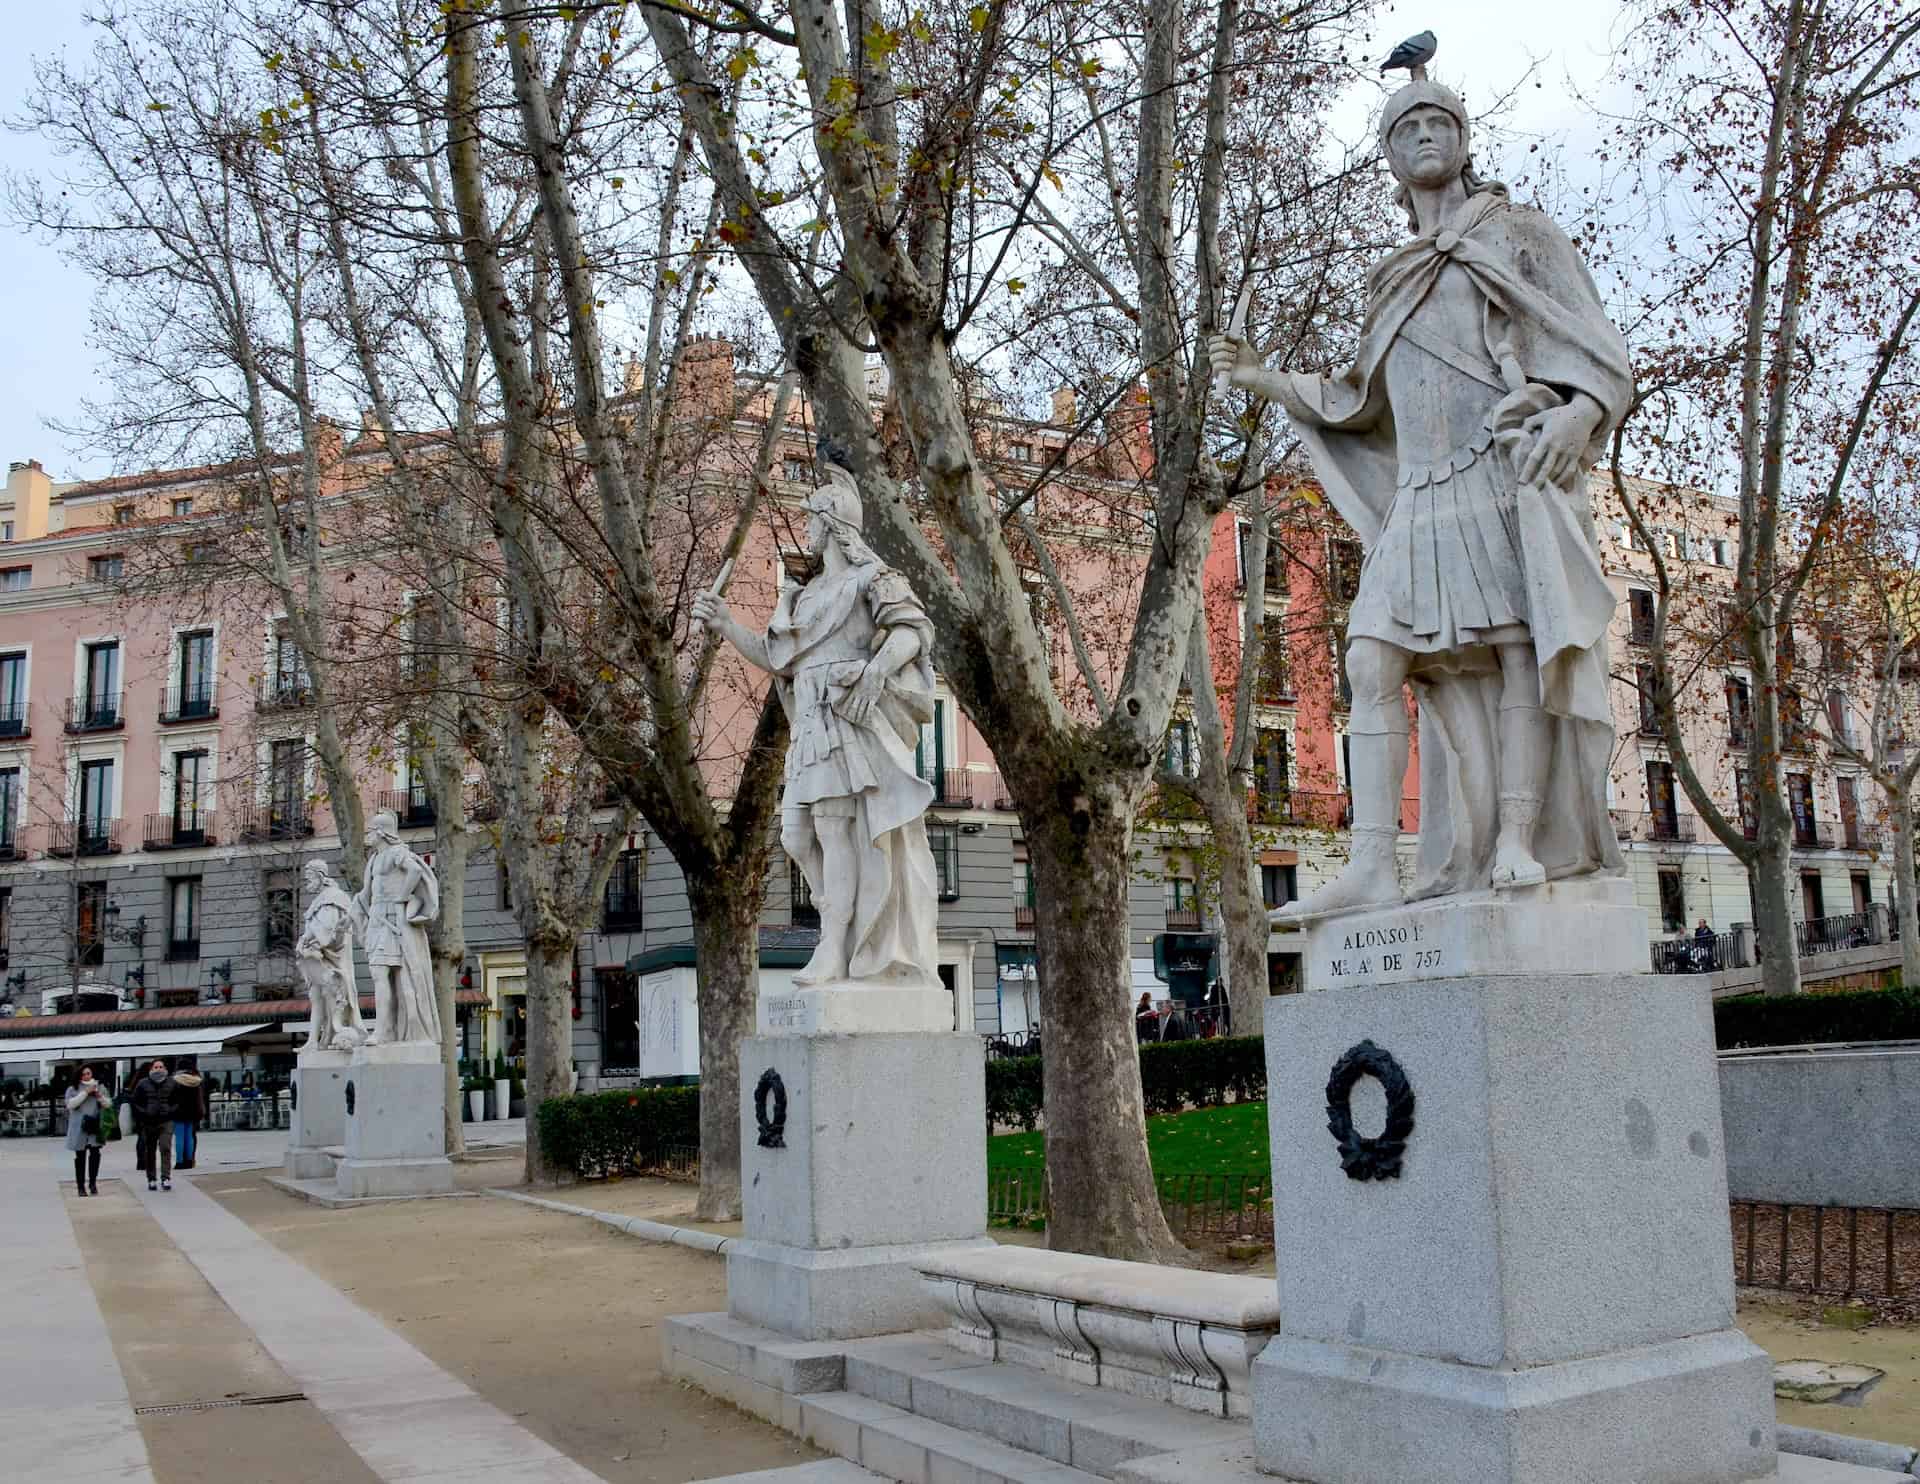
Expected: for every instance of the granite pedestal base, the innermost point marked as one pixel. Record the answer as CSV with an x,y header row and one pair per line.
x,y
860,1155
396,1137
1545,1287
319,1113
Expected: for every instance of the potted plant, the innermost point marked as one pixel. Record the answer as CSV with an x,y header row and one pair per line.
x,y
502,1087
476,1091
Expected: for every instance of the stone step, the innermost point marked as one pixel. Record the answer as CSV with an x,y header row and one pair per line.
x,y
897,1445
1093,1429
826,1471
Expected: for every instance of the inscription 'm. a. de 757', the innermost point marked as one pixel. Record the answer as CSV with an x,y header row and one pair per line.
x,y
1393,949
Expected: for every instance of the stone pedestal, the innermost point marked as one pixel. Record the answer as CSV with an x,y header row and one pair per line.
x,y
860,1154
839,1009
1545,1290
396,1137
319,1112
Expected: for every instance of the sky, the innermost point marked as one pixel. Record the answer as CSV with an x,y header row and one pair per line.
x,y
50,368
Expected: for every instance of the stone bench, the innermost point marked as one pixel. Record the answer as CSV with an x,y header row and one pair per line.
x,y
1170,1334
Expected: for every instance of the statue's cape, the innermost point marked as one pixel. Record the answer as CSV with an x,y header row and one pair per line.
x,y
1542,311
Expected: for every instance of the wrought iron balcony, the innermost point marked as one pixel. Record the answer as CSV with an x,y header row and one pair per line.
x,y
197,702
413,807
282,693
953,788
278,821
95,713
1183,919
13,719
84,837
179,829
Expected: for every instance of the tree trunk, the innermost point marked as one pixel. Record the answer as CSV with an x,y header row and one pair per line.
x,y
1906,919
726,937
1773,908
549,1041
447,938
1102,1195
1243,922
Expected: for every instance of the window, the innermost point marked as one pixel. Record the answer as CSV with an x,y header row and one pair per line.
x,y
1276,683
1720,553
1183,903
1784,648
6,530
1743,798
287,680
1862,897
1343,570
1794,733
183,505
1022,888
287,788
1663,808
1270,773
193,675
100,695
1342,683
930,752
1279,885
1813,896
1838,717
1020,453
1806,826
1739,711
183,918
280,917
1276,563
189,797
15,579
619,1000
795,471
6,925
96,799
9,812
1835,656
1182,759
106,568
13,694
90,923
1640,615
1673,903
803,913
623,892
123,515
945,842
1635,540
1646,682
1849,812
503,888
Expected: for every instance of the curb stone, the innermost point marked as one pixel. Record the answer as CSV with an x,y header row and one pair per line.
x,y
633,1226
1835,1447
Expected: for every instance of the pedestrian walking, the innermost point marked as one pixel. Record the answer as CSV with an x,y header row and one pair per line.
x,y
86,1103
189,1108
152,1100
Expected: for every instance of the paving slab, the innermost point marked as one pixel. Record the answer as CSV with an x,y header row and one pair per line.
x,y
826,1471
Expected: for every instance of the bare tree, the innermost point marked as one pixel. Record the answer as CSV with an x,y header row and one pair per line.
x,y
1778,315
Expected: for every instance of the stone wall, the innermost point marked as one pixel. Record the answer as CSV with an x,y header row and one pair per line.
x,y
1823,1127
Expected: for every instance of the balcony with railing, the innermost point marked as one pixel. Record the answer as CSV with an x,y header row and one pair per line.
x,y
1184,919
179,830
413,806
1023,911
199,701
282,693
79,838
283,820
1655,826
14,720
1314,810
13,840
95,712
953,788
1810,834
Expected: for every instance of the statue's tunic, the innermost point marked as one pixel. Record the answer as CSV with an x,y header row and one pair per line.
x,y
396,881
324,957
819,642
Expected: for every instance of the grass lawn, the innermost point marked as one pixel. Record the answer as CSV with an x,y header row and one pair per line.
x,y
1231,1140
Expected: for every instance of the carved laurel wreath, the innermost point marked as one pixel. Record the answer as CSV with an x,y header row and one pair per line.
x,y
1363,1158
773,1130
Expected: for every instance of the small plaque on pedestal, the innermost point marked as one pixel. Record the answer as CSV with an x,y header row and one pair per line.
x,y
846,1008
1591,925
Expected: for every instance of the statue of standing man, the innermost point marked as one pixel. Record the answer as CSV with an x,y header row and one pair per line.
x,y
1487,383
324,956
395,905
852,655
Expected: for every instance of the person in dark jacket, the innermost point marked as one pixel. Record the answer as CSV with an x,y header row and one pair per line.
x,y
152,1100
189,1108
86,1101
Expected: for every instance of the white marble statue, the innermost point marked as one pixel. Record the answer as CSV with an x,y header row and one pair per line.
x,y
851,653
324,956
1487,382
395,905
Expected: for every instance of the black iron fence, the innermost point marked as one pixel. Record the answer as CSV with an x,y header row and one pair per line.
x,y
1695,955
1831,934
1834,1251
197,701
1199,1205
98,711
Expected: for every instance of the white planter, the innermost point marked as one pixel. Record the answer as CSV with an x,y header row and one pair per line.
x,y
477,1105
502,1096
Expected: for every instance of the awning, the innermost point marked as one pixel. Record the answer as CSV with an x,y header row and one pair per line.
x,y
186,1040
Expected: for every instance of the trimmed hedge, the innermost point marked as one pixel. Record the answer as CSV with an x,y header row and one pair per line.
x,y
1801,1019
617,1133
1173,1075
